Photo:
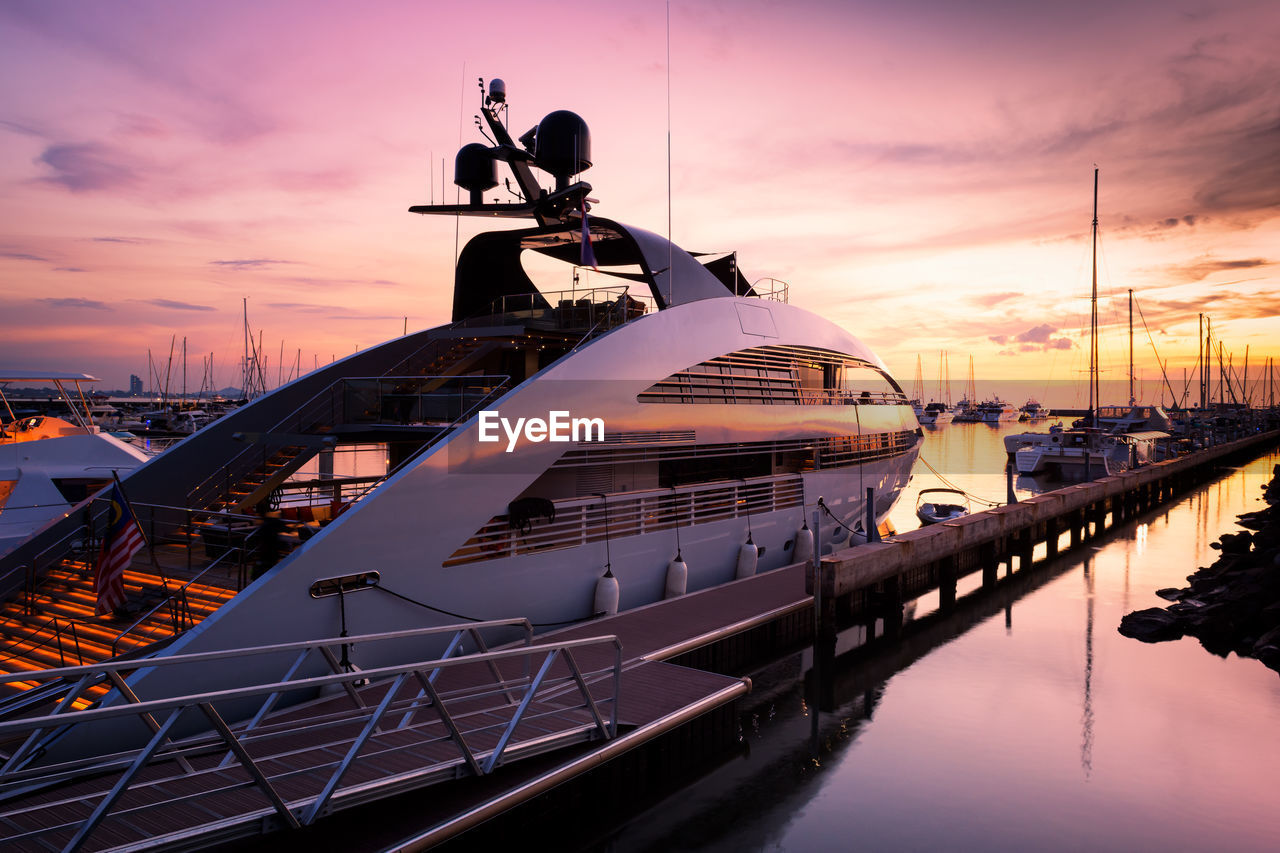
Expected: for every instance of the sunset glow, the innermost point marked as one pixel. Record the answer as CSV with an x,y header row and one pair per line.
x,y
919,172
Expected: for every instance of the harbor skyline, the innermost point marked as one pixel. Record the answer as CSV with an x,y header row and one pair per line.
x,y
920,174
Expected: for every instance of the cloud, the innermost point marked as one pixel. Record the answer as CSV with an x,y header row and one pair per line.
x,y
132,241
87,167
177,306
75,302
133,124
1038,335
69,269
302,307
990,300
22,129
249,263
1037,339
1251,183
23,256
1202,269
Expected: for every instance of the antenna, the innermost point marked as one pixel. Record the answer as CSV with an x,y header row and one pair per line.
x,y
670,252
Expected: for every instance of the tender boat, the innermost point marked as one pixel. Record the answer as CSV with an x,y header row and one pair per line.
x,y
936,505
48,464
551,442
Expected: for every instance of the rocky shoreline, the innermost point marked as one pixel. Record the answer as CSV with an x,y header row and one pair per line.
x,y
1233,605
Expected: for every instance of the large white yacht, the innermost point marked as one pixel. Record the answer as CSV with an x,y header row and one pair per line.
x,y
547,437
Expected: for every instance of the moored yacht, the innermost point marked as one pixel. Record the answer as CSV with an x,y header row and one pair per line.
x,y
49,464
1033,411
551,436
996,411
936,414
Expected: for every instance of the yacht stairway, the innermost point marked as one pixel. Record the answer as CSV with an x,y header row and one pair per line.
x,y
205,546
405,394
52,621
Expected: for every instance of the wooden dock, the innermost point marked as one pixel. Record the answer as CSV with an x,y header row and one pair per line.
x,y
910,563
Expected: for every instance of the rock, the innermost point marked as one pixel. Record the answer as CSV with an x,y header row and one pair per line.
x,y
1232,605
1152,625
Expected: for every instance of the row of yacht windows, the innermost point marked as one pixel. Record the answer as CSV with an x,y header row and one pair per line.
x,y
777,375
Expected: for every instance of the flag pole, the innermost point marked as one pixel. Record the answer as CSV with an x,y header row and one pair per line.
x,y
155,564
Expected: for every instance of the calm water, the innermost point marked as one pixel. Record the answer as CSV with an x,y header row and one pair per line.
x,y
1024,721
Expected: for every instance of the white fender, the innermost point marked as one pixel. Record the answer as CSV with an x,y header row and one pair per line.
x,y
803,552
677,578
606,594
748,557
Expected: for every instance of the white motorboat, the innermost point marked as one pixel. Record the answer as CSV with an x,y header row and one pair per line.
x,y
996,411
1131,417
1082,454
553,438
1033,411
48,464
936,414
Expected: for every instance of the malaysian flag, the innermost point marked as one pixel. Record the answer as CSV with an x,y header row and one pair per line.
x,y
588,256
123,540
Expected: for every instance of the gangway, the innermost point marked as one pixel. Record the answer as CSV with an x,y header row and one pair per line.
x,y
168,772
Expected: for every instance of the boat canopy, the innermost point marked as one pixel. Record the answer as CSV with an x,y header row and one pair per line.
x,y
489,266
44,376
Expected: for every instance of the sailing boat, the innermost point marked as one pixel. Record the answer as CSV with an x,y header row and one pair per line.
x,y
937,413
966,409
1074,453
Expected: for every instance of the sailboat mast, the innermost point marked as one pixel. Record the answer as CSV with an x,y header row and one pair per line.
x,y
1093,313
1200,359
1132,399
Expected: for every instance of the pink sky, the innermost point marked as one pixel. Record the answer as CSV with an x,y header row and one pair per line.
x,y
919,172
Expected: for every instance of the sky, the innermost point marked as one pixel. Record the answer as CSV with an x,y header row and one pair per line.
x,y
919,172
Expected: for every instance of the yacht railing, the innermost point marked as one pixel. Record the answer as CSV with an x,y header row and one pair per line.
x,y
442,401
598,309
581,520
389,728
316,414
50,633
773,289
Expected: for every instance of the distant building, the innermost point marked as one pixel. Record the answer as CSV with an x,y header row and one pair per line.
x,y
135,385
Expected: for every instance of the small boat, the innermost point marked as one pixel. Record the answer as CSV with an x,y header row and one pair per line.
x,y
941,504
997,411
1033,411
936,414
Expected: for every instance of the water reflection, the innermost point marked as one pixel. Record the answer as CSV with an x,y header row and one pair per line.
x,y
964,733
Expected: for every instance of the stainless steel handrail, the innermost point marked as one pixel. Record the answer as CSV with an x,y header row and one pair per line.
x,y
335,739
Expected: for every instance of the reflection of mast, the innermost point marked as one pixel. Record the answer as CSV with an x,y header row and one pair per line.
x,y
1086,719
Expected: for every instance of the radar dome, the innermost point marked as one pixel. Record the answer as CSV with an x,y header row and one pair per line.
x,y
475,170
563,145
